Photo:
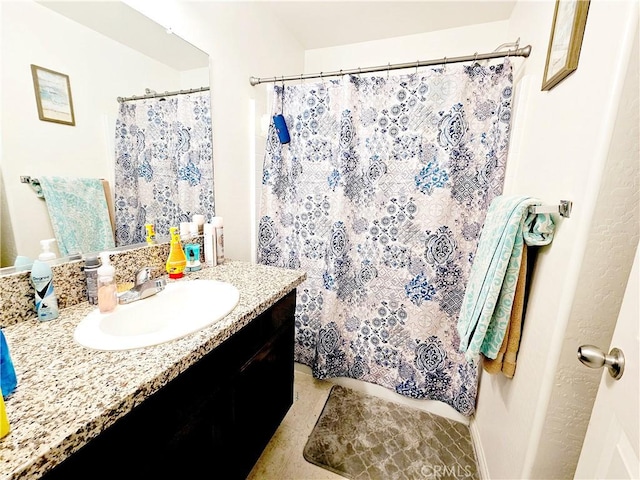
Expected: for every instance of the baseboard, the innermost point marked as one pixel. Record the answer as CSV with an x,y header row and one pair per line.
x,y
431,406
483,469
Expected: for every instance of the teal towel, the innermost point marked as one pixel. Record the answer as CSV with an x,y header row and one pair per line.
x,y
79,214
486,307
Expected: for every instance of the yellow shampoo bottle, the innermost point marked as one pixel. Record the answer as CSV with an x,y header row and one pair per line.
x,y
4,421
177,261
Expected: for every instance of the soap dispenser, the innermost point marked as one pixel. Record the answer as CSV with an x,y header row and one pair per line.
x,y
177,261
46,253
107,291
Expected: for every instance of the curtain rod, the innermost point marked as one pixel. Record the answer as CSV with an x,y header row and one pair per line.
x,y
518,52
165,94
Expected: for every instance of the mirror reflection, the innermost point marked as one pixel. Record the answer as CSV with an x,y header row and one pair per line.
x,y
108,50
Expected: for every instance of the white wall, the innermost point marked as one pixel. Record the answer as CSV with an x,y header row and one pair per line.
x,y
242,40
99,70
453,42
561,151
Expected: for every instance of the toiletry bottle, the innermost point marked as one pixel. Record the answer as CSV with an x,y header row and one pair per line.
x,y
46,253
193,230
8,379
4,421
209,245
198,220
107,293
177,260
91,265
42,281
22,263
184,230
192,251
219,237
150,233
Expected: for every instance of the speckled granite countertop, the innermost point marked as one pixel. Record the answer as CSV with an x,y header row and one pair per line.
x,y
68,394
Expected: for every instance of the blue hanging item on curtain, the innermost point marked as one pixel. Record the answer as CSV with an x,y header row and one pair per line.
x,y
164,166
380,196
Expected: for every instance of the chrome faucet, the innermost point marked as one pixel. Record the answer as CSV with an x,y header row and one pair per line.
x,y
144,287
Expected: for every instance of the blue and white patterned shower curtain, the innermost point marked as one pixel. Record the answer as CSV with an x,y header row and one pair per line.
x,y
164,166
380,196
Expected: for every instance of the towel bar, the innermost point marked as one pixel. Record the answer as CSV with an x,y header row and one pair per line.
x,y
564,208
33,183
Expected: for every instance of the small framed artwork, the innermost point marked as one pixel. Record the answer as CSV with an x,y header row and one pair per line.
x,y
53,95
569,21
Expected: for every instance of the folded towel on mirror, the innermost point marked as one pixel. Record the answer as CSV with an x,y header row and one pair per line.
x,y
79,214
488,300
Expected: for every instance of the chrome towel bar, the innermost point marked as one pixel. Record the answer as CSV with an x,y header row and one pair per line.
x,y
564,208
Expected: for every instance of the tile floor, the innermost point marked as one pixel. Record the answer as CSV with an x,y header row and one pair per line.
x,y
282,458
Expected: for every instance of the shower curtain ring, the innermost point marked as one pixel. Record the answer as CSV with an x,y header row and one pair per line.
x,y
388,69
444,64
417,65
475,58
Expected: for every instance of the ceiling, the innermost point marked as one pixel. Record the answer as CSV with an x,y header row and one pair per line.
x,y
126,25
316,24
320,24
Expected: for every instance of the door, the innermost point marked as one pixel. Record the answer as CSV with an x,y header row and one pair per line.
x,y
610,449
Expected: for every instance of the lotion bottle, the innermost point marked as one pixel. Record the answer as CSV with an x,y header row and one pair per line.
x,y
107,291
177,261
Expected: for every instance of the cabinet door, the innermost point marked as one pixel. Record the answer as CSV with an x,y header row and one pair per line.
x,y
263,394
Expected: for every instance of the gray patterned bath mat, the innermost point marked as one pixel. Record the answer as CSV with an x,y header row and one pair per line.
x,y
362,437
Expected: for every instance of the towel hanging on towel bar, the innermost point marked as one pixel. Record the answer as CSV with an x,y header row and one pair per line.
x,y
488,299
79,214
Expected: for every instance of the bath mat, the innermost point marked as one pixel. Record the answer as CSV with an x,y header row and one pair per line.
x,y
361,437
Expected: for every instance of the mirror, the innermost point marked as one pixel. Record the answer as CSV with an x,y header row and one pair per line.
x,y
108,50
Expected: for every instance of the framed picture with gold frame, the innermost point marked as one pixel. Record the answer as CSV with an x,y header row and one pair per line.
x,y
569,21
53,95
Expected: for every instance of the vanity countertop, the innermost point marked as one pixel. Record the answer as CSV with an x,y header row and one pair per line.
x,y
68,394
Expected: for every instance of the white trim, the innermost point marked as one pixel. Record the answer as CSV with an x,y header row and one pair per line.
x,y
252,182
476,441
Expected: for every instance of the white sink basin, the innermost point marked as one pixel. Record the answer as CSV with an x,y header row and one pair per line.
x,y
178,310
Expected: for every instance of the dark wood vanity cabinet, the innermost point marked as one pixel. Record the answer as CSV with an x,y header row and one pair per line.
x,y
212,421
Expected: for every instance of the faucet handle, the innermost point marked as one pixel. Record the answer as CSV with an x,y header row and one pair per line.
x,y
143,275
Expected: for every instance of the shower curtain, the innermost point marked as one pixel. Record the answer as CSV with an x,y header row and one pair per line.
x,y
164,167
380,196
